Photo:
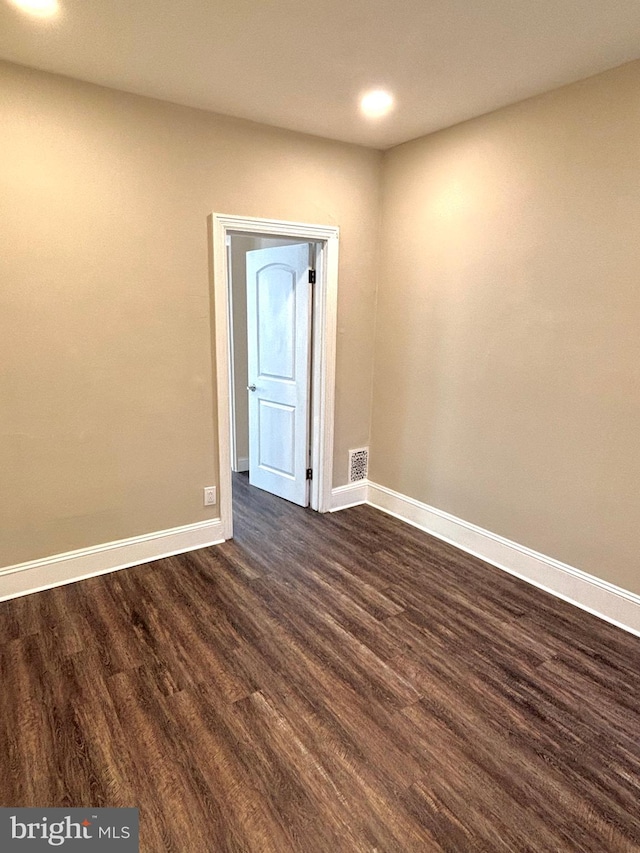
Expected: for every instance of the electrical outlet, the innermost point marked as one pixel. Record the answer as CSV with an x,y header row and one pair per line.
x,y
210,496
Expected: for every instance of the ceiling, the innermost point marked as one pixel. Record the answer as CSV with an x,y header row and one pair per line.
x,y
302,65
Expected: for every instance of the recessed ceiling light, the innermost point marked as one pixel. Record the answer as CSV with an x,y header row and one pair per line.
x,y
39,8
376,103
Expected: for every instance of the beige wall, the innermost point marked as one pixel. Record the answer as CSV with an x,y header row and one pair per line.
x,y
507,362
240,245
507,372
107,419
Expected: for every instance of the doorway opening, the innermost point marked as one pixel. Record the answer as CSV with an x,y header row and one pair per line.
x,y
271,323
275,299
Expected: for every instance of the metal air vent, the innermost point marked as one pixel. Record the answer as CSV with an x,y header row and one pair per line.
x,y
358,464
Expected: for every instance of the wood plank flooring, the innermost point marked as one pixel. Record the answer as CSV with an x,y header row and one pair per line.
x,y
324,683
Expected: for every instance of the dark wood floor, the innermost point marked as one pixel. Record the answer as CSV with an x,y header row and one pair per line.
x,y
324,683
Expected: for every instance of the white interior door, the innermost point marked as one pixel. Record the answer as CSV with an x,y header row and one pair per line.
x,y
279,346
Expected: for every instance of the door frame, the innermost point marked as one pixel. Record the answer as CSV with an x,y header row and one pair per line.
x,y
323,350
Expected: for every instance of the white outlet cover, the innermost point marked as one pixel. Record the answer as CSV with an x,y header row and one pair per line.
x,y
209,495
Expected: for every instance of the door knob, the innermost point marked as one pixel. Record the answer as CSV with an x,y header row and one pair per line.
x,y
251,387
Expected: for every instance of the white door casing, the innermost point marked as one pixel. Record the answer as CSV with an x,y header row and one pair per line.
x,y
279,303
325,305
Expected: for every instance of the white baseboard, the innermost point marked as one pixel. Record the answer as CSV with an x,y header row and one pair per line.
x,y
350,495
36,575
243,463
603,599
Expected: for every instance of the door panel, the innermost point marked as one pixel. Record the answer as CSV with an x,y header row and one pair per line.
x,y
278,340
276,420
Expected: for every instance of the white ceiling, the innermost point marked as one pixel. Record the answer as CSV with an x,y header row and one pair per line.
x,y
302,65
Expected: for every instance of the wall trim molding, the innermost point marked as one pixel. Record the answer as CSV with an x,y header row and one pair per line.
x,y
36,575
352,494
605,600
612,603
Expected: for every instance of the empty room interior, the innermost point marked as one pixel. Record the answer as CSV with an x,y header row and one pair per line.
x,y
319,412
